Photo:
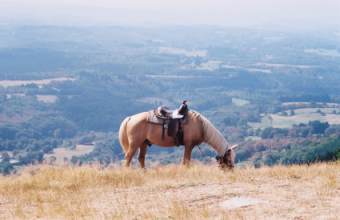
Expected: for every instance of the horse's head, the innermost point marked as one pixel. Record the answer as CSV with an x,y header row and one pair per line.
x,y
228,159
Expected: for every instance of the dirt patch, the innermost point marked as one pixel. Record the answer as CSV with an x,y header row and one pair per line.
x,y
239,202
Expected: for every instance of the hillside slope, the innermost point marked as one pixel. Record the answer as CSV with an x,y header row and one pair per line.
x,y
172,192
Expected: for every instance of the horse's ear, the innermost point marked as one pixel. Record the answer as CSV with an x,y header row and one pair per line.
x,y
234,146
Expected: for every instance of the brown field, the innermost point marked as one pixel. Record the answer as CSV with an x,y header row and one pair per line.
x,y
303,115
62,153
172,192
42,82
47,98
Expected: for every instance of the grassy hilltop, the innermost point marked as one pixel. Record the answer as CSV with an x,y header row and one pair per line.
x,y
172,192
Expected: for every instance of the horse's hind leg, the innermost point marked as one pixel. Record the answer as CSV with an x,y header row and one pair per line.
x,y
142,153
130,153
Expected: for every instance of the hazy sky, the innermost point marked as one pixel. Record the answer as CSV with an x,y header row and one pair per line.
x,y
295,13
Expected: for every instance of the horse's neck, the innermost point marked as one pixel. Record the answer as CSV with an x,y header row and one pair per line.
x,y
214,138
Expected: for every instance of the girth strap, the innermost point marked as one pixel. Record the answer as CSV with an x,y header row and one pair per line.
x,y
163,129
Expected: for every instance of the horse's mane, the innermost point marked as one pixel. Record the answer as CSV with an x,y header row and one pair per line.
x,y
212,135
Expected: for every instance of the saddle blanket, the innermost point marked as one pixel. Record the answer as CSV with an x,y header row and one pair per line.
x,y
152,118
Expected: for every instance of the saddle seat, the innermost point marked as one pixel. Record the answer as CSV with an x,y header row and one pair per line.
x,y
164,112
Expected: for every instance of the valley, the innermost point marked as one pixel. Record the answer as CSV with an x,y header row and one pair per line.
x,y
75,85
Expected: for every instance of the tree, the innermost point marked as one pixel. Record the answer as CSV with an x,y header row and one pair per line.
x,y
318,127
6,167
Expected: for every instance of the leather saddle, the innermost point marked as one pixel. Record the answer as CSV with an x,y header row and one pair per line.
x,y
170,120
164,112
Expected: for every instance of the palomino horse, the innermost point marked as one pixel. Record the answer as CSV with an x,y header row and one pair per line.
x,y
136,132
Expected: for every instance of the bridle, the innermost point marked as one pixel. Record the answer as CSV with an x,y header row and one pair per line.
x,y
226,159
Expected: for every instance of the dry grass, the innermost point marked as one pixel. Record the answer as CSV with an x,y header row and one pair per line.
x,y
171,192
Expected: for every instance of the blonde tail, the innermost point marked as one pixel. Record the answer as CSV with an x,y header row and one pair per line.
x,y
123,139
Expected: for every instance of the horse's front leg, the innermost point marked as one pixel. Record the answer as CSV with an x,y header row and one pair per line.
x,y
187,154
